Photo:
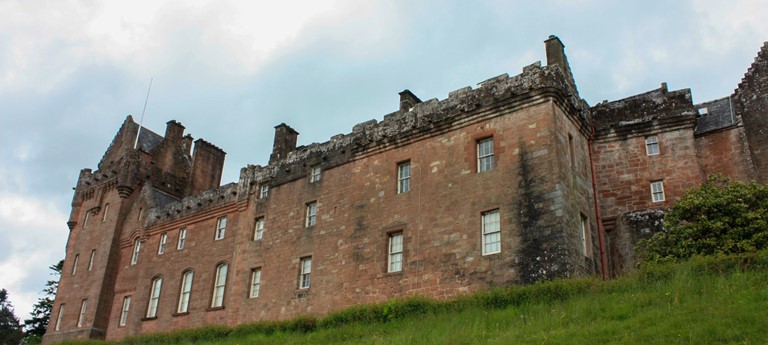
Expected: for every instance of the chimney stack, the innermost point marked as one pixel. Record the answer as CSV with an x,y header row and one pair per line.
x,y
408,100
285,142
556,56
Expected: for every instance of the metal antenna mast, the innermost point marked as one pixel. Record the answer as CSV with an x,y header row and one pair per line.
x,y
141,122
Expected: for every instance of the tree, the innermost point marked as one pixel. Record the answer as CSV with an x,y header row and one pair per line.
x,y
720,217
41,311
10,329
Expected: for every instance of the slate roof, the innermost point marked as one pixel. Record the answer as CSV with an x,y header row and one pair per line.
x,y
718,114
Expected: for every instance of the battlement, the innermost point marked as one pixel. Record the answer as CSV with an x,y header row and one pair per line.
x,y
194,204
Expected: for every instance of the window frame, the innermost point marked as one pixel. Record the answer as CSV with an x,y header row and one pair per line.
x,y
163,242
124,312
264,191
136,251
83,309
486,234
219,285
315,173
305,272
221,228
585,234
651,145
74,263
394,254
90,261
104,215
155,291
403,182
483,157
310,218
185,291
660,191
59,317
258,228
85,218
255,287
182,239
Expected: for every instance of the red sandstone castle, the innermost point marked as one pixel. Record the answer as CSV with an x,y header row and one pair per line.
x,y
515,181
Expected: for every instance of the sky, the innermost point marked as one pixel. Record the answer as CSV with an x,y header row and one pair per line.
x,y
229,71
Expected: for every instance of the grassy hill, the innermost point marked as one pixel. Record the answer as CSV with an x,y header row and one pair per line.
x,y
703,301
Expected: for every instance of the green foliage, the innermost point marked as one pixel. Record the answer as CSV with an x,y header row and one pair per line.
x,y
721,217
10,329
41,311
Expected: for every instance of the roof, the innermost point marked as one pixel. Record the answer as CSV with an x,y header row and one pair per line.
x,y
714,115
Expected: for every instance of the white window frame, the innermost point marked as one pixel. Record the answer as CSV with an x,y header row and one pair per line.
x,y
657,191
264,192
221,228
59,317
258,231
136,250
182,239
74,264
485,155
163,241
403,177
219,286
652,145
90,261
311,215
315,174
305,273
395,257
491,231
154,297
104,215
124,312
81,318
185,291
255,283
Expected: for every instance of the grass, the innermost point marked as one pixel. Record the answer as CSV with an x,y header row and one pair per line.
x,y
703,301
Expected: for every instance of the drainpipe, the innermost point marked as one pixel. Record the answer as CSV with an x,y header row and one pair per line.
x,y
598,217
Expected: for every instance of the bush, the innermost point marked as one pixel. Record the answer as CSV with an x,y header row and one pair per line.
x,y
721,217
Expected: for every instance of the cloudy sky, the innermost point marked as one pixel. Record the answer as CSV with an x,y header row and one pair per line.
x,y
71,71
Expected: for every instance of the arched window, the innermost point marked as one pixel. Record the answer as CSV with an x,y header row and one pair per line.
x,y
154,297
186,290
218,288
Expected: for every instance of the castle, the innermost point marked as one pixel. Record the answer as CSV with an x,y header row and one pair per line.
x,y
514,181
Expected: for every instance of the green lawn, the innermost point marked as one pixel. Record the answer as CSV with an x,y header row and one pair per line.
x,y
704,302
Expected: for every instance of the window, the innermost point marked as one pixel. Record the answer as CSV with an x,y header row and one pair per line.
x,y
136,249
124,312
311,214
485,155
255,282
395,261
154,297
585,234
258,232
652,145
221,227
85,219
59,316
306,271
104,215
74,264
81,319
491,233
90,261
182,238
570,151
264,191
657,191
403,177
186,290
141,212
218,288
163,241
315,173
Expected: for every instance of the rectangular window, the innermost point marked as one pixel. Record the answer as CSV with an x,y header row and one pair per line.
x,y
485,155
221,227
124,312
311,214
395,261
104,215
255,282
264,191
306,272
163,241
90,261
657,191
186,290
136,249
154,297
403,177
652,145
585,234
59,316
571,153
258,231
219,285
491,232
182,239
74,264
315,173
81,319
141,213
